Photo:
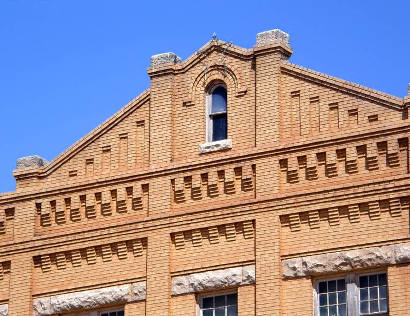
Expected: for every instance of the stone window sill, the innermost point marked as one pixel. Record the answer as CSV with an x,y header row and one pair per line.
x,y
219,145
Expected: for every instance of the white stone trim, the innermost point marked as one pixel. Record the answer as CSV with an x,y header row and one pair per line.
x,y
212,280
344,261
89,299
4,309
215,146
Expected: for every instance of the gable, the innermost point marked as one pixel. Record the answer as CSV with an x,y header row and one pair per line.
x,y
312,103
119,144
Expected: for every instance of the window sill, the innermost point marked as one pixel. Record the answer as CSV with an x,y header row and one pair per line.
x,y
219,145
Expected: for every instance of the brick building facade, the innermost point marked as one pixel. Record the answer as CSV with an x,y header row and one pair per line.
x,y
237,184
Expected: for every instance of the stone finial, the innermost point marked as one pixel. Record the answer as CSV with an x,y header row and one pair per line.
x,y
165,58
267,37
408,89
30,161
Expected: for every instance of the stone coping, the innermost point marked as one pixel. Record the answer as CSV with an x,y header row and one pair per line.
x,y
89,299
267,37
30,162
344,261
212,280
4,309
215,146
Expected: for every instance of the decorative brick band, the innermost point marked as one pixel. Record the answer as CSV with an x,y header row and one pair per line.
x,y
211,280
4,309
344,261
89,299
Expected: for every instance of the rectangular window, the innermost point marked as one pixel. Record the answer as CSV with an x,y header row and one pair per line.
x,y
113,313
373,294
332,298
220,305
367,295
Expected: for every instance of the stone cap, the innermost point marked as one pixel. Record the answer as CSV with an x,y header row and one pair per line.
x,y
30,161
267,37
165,58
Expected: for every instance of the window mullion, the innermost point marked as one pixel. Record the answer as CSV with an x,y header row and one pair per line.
x,y
352,295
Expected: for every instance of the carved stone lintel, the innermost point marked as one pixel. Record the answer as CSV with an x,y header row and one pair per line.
x,y
89,299
211,280
344,261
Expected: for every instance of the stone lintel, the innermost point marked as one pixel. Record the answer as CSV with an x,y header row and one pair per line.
x,y
344,261
268,37
90,299
212,280
30,162
165,58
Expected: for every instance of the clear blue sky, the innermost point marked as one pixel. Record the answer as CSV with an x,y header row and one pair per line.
x,y
67,65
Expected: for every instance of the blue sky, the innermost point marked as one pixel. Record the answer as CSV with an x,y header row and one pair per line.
x,y
66,66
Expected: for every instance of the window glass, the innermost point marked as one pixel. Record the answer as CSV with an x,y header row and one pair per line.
x,y
332,298
113,313
373,294
219,130
220,305
219,100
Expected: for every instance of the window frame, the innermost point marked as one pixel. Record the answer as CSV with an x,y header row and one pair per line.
x,y
209,115
352,292
200,298
111,310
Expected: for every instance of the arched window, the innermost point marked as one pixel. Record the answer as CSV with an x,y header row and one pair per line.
x,y
217,120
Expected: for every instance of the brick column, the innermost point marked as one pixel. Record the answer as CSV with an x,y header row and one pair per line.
x,y
268,276
271,47
158,274
20,301
162,77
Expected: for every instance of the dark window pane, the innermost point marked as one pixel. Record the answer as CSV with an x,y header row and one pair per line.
x,y
333,310
373,293
220,311
219,127
363,281
364,295
219,100
323,311
113,314
382,279
342,310
383,292
383,305
341,297
373,280
341,285
232,299
120,313
208,302
322,287
332,298
364,307
322,299
105,314
219,301
232,311
332,286
374,306
208,313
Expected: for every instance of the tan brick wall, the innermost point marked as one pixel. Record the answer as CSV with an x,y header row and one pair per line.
x,y
317,165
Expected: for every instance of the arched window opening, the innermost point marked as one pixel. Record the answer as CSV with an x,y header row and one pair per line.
x,y
217,114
